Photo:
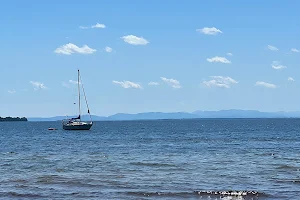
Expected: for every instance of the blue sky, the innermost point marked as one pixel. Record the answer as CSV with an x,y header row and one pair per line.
x,y
199,55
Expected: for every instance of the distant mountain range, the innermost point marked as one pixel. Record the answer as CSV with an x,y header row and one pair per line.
x,y
183,115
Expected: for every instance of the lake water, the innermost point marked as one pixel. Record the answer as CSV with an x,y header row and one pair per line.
x,y
163,159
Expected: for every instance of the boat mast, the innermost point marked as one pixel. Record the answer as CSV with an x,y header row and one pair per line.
x,y
87,105
79,95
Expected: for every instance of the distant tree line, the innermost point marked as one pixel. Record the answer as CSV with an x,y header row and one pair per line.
x,y
13,119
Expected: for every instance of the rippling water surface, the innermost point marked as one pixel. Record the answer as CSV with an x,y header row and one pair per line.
x,y
164,159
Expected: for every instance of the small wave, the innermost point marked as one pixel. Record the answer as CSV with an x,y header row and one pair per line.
x,y
24,195
152,164
60,170
49,179
5,164
153,194
295,181
14,181
55,179
287,167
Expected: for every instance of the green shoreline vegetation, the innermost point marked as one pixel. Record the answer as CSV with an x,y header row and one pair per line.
x,y
13,119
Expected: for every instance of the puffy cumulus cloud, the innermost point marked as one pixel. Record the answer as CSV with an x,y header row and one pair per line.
x,y
38,85
209,31
220,81
272,48
219,59
265,84
128,84
276,65
98,25
134,40
70,48
171,82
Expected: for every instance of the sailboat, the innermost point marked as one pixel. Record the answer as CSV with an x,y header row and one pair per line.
x,y
76,123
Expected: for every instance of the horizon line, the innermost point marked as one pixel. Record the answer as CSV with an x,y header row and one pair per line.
x,y
193,112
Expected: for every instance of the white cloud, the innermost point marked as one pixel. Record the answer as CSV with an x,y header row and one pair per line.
x,y
276,65
108,49
134,40
153,83
272,48
67,84
219,59
98,26
38,85
74,82
128,84
209,31
295,50
264,84
83,27
172,82
70,48
229,54
11,91
291,79
93,26
220,81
